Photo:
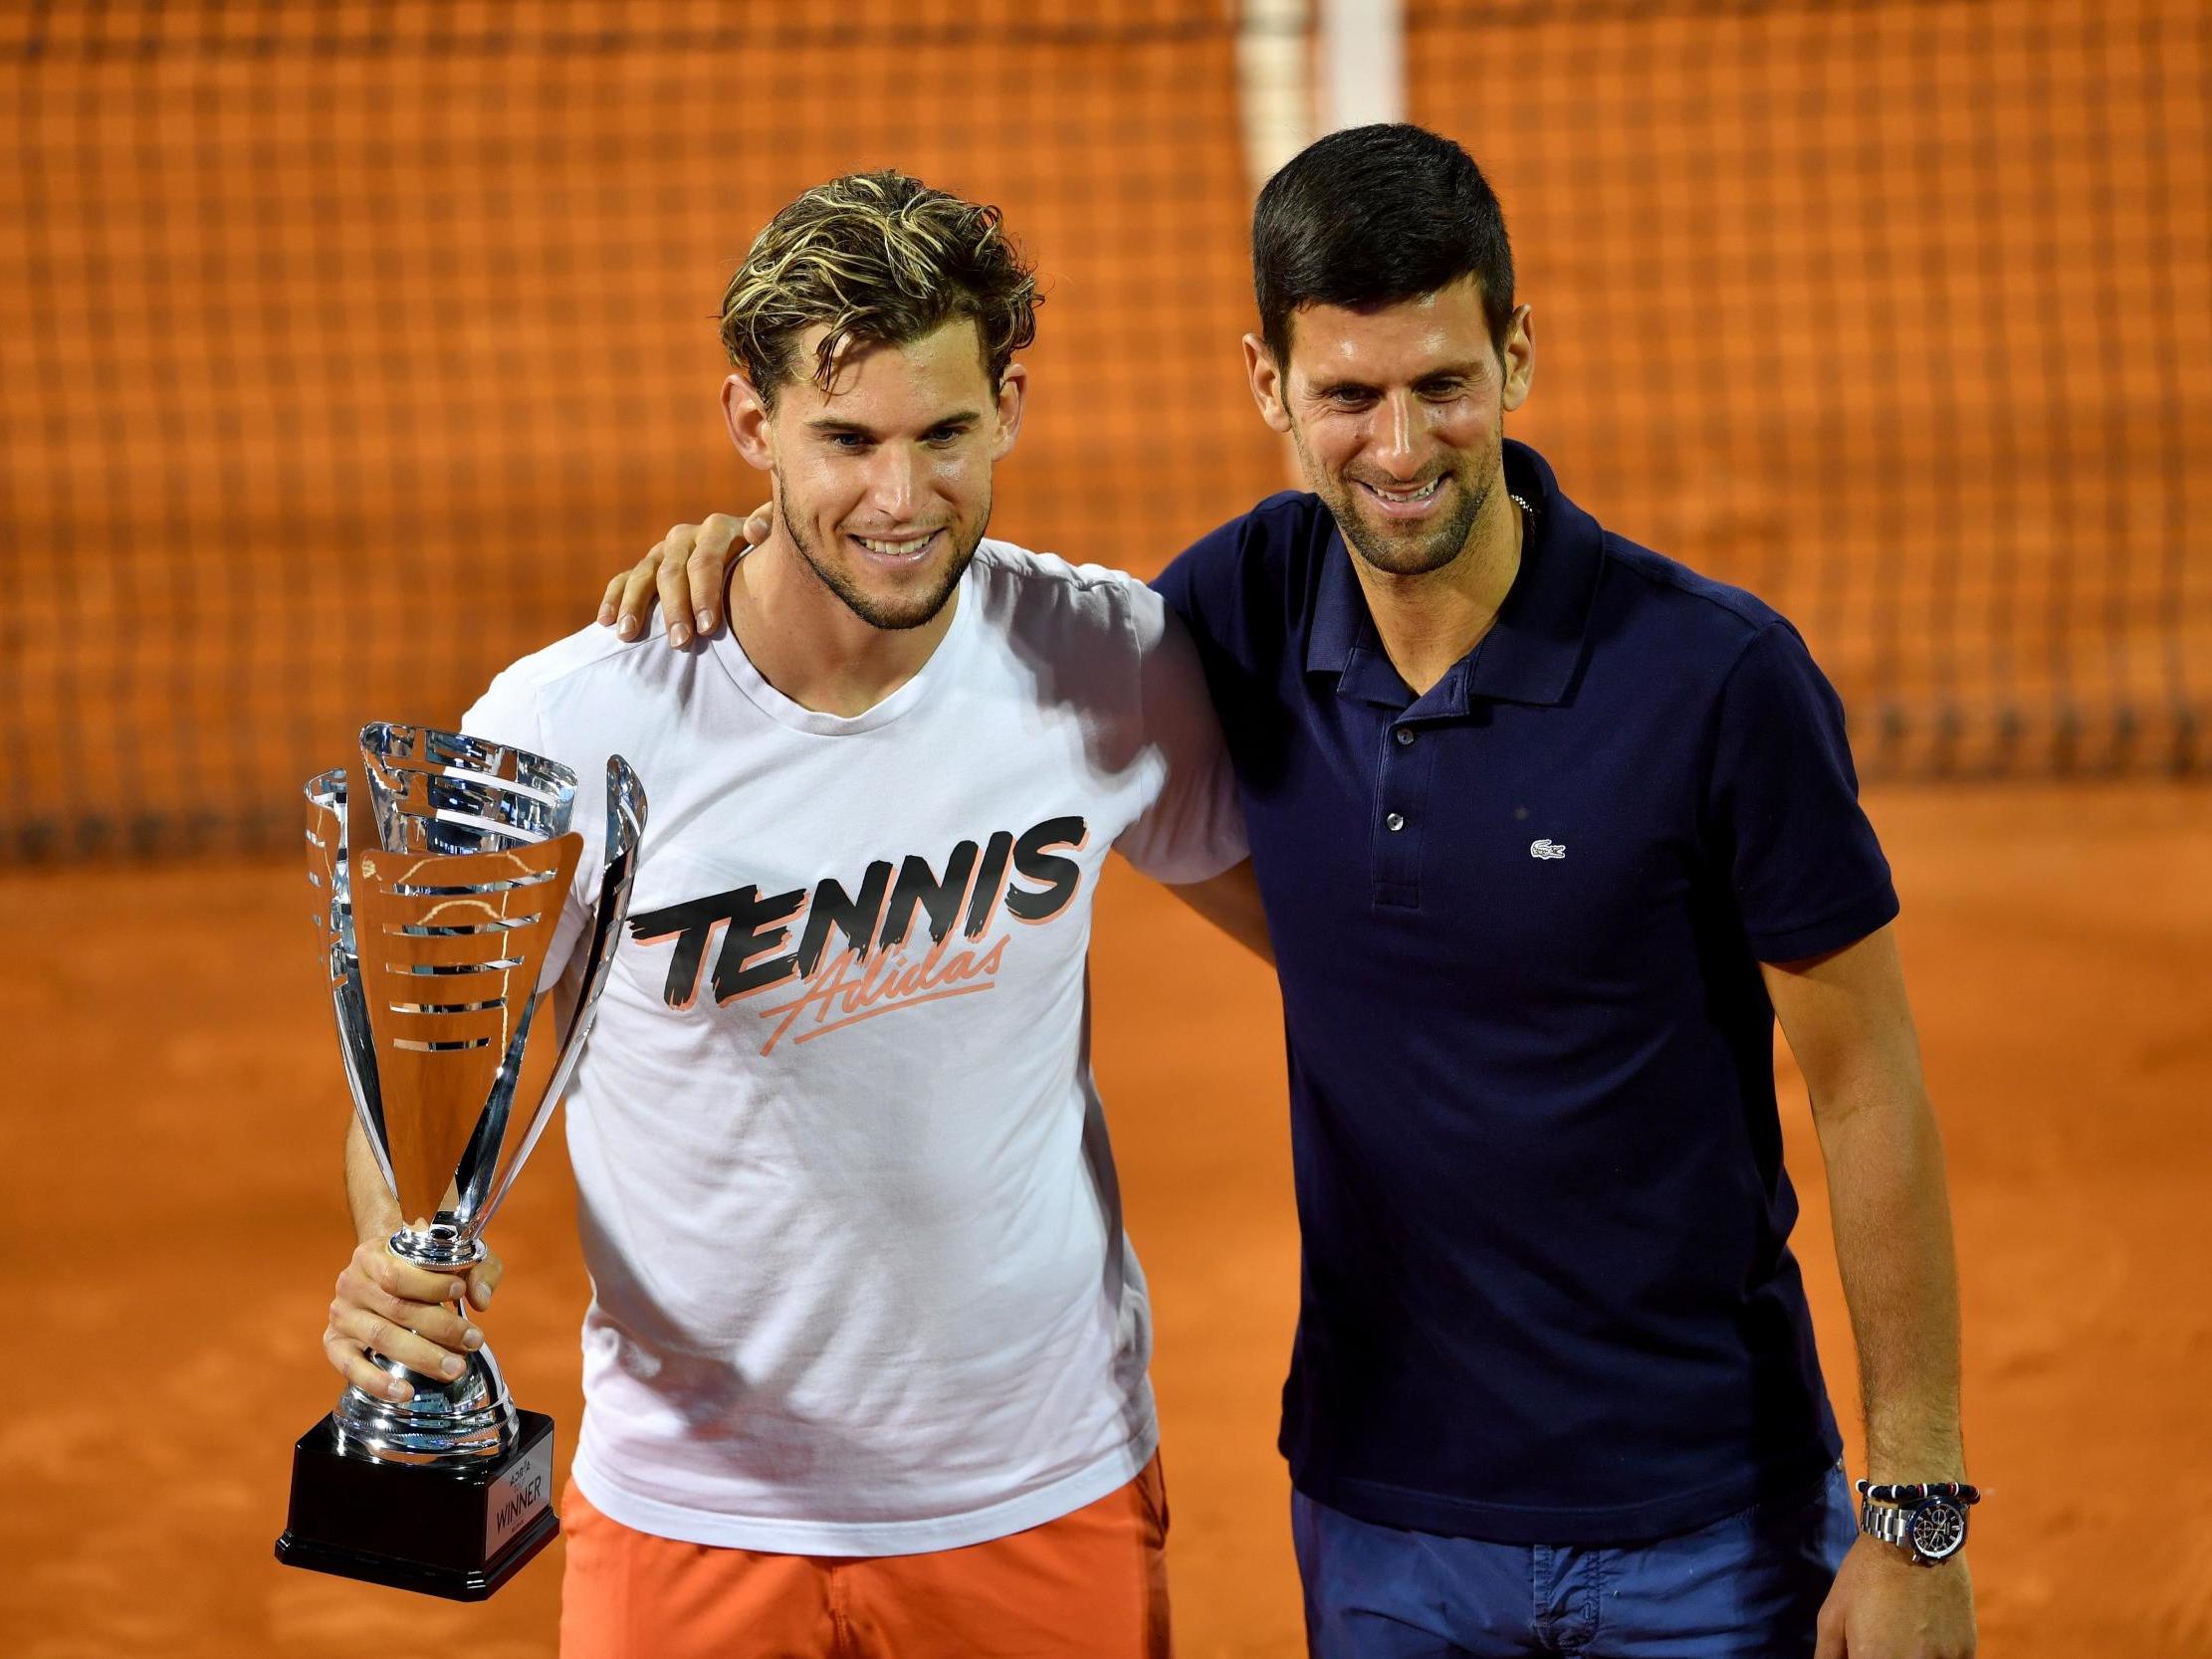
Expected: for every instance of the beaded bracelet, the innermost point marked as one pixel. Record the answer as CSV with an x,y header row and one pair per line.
x,y
1912,1492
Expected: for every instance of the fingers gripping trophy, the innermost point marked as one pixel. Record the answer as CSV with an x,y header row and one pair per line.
x,y
439,882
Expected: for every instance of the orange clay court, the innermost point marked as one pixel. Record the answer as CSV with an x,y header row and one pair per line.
x,y
345,351
174,1218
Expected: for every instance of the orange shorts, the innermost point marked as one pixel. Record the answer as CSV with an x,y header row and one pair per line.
x,y
1090,1586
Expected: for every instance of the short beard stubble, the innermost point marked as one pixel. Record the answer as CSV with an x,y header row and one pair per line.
x,y
1431,550
865,608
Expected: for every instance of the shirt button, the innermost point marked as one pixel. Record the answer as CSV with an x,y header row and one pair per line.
x,y
1404,735
1394,822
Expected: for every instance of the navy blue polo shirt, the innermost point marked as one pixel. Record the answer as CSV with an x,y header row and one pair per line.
x,y
1547,1292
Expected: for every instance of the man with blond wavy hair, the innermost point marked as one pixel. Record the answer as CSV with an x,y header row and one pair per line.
x,y
865,1362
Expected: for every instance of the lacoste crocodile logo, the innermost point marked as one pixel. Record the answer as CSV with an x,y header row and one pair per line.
x,y
1547,849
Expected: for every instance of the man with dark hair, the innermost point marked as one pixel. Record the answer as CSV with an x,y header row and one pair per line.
x,y
1550,830
1315,232
1397,188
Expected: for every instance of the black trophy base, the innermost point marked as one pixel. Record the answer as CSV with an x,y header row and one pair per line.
x,y
454,1532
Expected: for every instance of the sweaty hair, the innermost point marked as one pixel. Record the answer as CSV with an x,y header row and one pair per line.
x,y
880,259
1374,215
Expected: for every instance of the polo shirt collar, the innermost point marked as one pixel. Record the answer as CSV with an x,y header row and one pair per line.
x,y
1531,651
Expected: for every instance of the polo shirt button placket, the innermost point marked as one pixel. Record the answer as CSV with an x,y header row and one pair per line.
x,y
1402,784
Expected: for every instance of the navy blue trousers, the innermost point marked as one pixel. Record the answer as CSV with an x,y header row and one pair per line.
x,y
1748,1587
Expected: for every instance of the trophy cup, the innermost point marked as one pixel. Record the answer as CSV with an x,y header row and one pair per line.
x,y
439,882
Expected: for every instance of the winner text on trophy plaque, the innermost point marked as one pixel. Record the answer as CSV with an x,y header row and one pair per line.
x,y
439,882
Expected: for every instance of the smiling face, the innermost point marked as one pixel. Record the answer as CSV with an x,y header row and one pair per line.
x,y
1398,415
883,482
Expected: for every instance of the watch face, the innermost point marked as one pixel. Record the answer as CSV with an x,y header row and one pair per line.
x,y
1939,1528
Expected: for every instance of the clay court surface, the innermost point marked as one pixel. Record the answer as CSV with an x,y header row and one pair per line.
x,y
173,1223
375,229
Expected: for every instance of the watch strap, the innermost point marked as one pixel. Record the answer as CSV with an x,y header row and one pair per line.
x,y
1889,1523
1898,1524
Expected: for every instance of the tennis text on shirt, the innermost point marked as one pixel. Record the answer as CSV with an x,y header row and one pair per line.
x,y
878,966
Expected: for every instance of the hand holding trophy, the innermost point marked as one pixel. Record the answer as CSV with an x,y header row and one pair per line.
x,y
439,887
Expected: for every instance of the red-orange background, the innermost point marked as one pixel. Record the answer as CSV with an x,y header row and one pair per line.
x,y
344,348
172,1223
341,345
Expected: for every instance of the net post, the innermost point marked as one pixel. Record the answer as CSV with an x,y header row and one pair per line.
x,y
1363,56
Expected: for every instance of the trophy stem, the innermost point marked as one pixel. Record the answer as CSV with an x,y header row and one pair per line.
x,y
448,1422
441,1246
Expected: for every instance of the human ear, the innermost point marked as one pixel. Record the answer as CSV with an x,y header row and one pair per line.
x,y
1013,391
746,418
1266,377
1518,357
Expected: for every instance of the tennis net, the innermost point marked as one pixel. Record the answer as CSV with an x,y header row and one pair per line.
x,y
345,349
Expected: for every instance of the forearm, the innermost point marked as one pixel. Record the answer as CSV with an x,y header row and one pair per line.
x,y
1893,1224
1230,901
368,1195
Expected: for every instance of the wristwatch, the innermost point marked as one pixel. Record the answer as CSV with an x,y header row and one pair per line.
x,y
1927,1520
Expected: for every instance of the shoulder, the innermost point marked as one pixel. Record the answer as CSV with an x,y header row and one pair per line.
x,y
1287,529
1044,597
1714,658
1246,587
1655,603
1280,523
592,651
529,695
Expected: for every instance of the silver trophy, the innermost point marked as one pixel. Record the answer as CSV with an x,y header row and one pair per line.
x,y
439,884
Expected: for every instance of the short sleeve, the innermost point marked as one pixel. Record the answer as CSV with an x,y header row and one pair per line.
x,y
1193,828
508,713
1782,811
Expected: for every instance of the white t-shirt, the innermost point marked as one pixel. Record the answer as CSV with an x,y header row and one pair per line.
x,y
860,1281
